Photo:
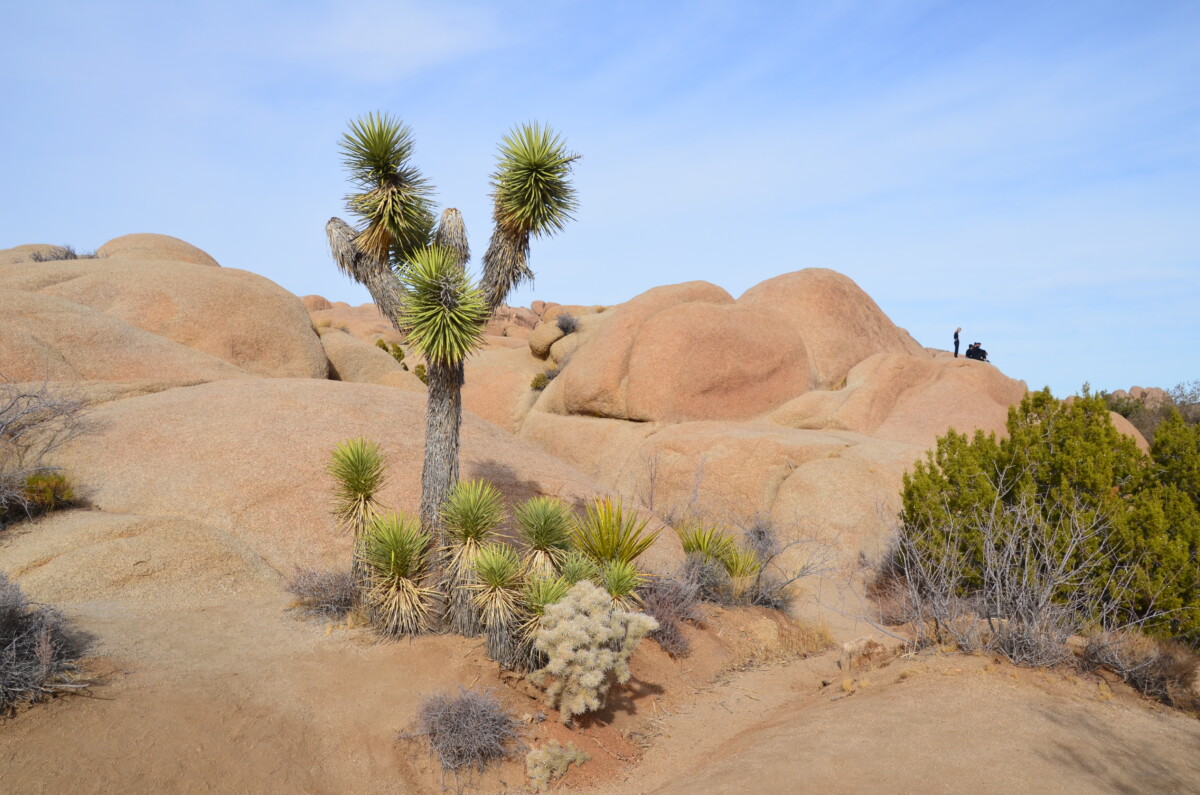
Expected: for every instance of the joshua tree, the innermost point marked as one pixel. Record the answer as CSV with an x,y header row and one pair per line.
x,y
532,196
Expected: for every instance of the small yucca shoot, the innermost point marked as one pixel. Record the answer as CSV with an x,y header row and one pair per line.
x,y
607,533
622,580
395,555
742,566
576,567
707,542
357,466
496,594
545,527
470,515
539,593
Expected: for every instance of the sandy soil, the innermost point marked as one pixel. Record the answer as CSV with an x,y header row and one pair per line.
x,y
206,682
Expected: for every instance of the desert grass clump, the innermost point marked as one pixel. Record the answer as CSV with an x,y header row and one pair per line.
x,y
588,642
567,324
470,515
539,382
544,528
469,730
671,601
496,593
607,532
396,557
324,592
550,762
420,372
38,654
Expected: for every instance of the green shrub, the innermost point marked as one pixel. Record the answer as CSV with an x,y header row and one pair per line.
x,y
48,491
539,382
419,372
1068,480
393,349
551,761
585,638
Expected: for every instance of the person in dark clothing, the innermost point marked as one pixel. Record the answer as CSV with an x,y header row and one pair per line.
x,y
976,352
956,341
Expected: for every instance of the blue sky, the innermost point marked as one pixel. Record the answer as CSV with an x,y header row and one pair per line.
x,y
1029,171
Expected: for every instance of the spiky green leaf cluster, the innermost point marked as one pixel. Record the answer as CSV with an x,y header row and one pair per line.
x,y
576,567
393,199
499,584
621,580
443,312
544,525
357,467
473,509
708,541
607,532
396,554
531,185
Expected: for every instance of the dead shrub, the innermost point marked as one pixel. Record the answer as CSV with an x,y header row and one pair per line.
x,y
567,324
61,253
671,601
1034,590
468,730
38,652
324,592
34,421
1164,670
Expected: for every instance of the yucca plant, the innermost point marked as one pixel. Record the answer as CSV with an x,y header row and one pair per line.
x,y
357,467
742,566
532,196
621,580
575,567
544,524
606,532
539,593
396,556
497,594
443,314
470,515
705,541
392,204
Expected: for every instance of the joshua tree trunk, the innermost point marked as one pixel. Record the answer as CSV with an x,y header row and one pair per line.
x,y
443,416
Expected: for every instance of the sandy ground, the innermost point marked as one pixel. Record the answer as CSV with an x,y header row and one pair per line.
x,y
206,682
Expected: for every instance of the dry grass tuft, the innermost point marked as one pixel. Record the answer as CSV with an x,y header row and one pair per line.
x,y
324,592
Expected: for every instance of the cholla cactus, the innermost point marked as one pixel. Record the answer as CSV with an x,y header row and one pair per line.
x,y
586,637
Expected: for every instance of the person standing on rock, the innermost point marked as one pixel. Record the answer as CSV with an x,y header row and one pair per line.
x,y
956,341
